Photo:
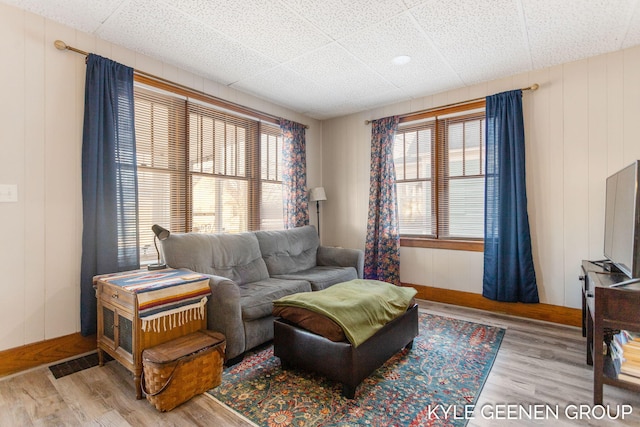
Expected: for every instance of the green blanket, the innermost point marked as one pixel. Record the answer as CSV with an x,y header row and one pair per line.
x,y
360,307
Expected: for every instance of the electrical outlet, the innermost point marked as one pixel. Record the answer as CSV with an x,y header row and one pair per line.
x,y
8,193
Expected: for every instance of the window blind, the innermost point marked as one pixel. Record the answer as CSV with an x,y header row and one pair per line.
x,y
223,171
439,166
161,149
461,187
413,156
271,203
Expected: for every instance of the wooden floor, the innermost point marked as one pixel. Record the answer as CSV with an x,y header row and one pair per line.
x,y
538,364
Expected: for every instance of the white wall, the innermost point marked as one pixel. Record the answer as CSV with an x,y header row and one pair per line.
x,y
41,112
580,126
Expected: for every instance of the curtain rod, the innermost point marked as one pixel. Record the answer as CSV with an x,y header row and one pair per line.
x,y
60,45
532,88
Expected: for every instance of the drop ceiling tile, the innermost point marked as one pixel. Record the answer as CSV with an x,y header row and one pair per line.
x,y
292,90
379,99
412,3
401,35
338,18
480,40
421,89
284,87
335,69
326,112
633,34
160,31
80,14
264,25
576,29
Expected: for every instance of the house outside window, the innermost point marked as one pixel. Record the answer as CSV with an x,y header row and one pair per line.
x,y
439,162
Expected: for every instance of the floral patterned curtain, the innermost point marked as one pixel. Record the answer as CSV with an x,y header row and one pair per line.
x,y
382,249
294,175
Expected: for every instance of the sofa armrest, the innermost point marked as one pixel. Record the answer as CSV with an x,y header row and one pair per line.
x,y
225,315
342,257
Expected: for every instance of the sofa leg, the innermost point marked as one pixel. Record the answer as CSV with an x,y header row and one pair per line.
x,y
234,360
348,391
409,346
284,365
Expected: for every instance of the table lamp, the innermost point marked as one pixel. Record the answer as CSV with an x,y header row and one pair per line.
x,y
161,234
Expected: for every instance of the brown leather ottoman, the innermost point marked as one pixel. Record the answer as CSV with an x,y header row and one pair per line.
x,y
340,361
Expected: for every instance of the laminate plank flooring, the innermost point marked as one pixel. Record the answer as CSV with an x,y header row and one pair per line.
x,y
539,364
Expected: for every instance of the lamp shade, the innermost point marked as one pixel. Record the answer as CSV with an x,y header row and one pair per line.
x,y
317,194
160,232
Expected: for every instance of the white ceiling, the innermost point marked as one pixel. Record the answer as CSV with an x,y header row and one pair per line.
x,y
327,58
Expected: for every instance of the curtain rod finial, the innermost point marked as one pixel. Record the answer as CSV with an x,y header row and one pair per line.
x,y
60,45
534,86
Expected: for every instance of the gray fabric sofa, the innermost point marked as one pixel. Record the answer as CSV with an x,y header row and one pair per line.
x,y
248,271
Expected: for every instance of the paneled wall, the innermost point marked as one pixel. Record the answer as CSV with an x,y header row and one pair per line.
x,y
581,126
41,113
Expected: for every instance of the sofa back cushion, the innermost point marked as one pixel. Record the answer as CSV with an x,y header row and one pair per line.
x,y
289,251
234,256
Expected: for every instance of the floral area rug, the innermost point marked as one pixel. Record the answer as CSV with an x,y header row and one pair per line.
x,y
445,370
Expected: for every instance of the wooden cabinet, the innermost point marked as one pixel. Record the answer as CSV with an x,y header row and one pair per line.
x,y
605,311
120,327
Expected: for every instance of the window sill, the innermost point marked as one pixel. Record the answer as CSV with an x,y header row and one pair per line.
x,y
456,245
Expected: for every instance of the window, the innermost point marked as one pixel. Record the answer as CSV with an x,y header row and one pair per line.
x,y
160,151
462,170
271,204
439,163
222,171
412,156
203,170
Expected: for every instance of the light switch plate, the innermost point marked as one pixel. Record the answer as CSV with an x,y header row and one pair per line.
x,y
8,193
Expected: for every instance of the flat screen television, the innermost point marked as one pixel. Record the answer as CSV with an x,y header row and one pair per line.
x,y
622,222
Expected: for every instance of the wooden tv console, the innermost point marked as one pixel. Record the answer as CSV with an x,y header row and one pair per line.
x,y
605,311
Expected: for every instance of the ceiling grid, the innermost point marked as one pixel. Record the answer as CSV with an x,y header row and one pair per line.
x,y
334,57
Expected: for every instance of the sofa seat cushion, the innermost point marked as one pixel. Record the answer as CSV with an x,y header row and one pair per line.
x,y
256,298
321,277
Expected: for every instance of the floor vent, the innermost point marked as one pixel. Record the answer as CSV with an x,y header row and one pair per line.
x,y
76,365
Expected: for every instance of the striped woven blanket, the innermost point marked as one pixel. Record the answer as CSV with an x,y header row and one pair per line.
x,y
166,298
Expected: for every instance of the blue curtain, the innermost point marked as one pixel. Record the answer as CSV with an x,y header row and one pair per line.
x,y
508,264
109,180
294,174
382,247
